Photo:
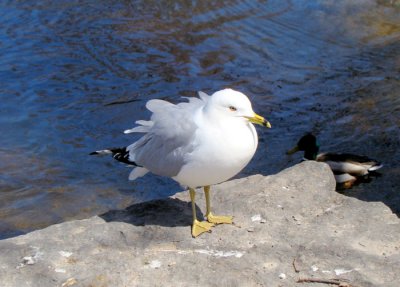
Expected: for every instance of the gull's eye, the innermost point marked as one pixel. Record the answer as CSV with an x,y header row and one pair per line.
x,y
233,109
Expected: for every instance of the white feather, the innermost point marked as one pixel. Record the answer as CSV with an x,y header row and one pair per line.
x,y
143,128
137,172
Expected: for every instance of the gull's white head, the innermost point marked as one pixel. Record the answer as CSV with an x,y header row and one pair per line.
x,y
231,103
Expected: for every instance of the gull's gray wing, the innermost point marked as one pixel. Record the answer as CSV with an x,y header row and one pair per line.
x,y
168,136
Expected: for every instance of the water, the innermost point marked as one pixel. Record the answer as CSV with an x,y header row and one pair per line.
x,y
75,74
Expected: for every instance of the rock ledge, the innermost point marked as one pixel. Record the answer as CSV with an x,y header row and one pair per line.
x,y
287,226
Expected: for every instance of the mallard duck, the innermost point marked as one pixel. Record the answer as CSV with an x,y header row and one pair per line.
x,y
347,168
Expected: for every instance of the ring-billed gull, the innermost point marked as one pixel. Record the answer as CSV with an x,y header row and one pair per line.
x,y
204,141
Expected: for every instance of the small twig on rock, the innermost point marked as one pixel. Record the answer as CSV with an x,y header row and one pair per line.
x,y
337,282
294,266
236,225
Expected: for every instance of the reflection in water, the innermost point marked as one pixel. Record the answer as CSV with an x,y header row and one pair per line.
x,y
76,74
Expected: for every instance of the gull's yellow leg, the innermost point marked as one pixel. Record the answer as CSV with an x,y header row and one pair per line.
x,y
211,217
198,227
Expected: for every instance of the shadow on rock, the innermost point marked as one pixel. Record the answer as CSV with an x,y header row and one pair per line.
x,y
169,212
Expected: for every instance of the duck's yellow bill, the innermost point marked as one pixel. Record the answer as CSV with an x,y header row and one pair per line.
x,y
293,150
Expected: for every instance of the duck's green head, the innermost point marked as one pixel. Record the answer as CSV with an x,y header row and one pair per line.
x,y
309,145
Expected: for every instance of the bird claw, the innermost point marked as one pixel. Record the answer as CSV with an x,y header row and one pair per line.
x,y
219,219
199,227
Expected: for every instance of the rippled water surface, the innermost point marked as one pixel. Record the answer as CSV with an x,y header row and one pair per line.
x,y
75,74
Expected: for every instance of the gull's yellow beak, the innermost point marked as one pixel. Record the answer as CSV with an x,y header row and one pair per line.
x,y
259,120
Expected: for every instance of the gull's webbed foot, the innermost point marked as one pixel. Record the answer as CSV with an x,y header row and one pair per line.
x,y
219,219
200,227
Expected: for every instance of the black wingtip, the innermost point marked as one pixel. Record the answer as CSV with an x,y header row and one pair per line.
x,y
120,154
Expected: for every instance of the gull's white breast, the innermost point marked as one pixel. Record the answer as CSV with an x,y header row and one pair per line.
x,y
221,151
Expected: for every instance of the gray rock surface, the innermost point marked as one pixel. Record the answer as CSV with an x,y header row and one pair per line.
x,y
287,226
